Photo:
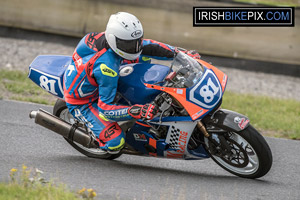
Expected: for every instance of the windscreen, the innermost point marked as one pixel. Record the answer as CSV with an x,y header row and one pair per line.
x,y
188,71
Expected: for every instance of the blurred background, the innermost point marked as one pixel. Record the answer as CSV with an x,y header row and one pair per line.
x,y
169,21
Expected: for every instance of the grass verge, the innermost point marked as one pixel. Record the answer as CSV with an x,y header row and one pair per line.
x,y
28,184
16,86
275,117
19,192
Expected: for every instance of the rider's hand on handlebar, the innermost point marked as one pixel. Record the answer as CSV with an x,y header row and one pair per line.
x,y
193,53
147,111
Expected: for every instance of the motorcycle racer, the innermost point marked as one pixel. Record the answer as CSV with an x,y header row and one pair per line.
x,y
90,82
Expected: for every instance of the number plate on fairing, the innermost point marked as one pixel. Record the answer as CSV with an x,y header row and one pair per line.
x,y
50,83
47,72
207,92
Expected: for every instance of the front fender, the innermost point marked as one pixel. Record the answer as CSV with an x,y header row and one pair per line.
x,y
227,120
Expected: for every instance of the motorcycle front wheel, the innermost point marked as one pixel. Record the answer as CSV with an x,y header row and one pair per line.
x,y
250,155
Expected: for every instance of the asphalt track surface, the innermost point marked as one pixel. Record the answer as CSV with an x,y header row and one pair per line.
x,y
135,177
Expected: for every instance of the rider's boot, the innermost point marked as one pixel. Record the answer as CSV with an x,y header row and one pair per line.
x,y
112,139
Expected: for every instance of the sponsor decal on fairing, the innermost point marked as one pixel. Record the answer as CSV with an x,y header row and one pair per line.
x,y
139,137
242,122
177,141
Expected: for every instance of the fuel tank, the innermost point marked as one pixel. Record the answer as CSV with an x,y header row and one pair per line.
x,y
133,78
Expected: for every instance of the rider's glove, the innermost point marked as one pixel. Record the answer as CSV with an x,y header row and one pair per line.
x,y
193,53
146,111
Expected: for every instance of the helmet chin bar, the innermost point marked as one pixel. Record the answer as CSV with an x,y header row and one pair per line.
x,y
128,56
131,46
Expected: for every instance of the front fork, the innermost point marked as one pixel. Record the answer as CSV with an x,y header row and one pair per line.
x,y
217,142
221,122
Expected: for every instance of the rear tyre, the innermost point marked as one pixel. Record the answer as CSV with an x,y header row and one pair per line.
x,y
251,156
61,110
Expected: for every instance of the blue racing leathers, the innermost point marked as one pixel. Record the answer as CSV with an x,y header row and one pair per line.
x,y
90,86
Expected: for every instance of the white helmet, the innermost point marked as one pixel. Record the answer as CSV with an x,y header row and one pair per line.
x,y
124,34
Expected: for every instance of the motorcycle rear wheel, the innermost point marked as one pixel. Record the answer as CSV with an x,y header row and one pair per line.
x,y
251,158
61,110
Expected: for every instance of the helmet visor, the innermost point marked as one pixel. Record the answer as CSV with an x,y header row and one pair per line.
x,y
129,46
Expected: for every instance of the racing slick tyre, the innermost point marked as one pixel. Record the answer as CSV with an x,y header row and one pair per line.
x,y
61,110
250,155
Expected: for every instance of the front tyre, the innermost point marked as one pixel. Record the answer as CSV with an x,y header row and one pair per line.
x,y
61,110
250,155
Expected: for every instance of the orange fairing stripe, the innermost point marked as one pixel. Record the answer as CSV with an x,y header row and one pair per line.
x,y
139,123
152,142
221,75
180,94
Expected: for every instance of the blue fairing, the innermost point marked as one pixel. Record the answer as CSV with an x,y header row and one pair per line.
x,y
47,72
132,85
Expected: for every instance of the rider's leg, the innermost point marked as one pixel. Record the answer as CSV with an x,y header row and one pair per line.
x,y
110,135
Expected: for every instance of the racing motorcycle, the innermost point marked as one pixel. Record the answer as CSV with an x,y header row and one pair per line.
x,y
190,123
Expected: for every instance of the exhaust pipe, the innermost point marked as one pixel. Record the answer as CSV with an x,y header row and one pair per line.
x,y
67,130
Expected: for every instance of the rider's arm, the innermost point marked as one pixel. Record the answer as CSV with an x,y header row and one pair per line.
x,y
158,50
154,49
162,51
106,76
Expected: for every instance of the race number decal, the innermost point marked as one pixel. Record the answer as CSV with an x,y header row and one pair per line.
x,y
50,83
207,92
47,84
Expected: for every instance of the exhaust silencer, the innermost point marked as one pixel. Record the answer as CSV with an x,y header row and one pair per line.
x,y
67,130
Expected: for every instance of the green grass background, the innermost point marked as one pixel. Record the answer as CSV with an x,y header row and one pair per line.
x,y
16,85
19,192
278,117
